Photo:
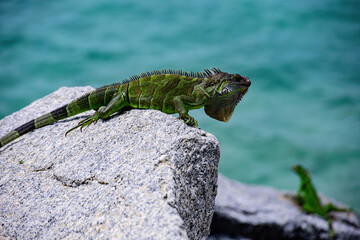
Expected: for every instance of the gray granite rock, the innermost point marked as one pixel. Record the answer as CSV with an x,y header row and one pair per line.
x,y
139,175
245,212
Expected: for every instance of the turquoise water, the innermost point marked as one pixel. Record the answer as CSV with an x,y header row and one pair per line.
x,y
302,57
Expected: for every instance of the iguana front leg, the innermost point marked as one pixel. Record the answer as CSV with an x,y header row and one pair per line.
x,y
184,103
117,103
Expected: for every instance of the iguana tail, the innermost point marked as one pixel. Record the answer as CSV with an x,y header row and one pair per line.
x,y
77,106
39,122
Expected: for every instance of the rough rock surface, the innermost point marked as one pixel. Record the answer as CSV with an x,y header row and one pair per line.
x,y
139,175
255,212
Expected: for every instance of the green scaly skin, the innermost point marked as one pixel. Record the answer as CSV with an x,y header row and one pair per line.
x,y
169,91
308,199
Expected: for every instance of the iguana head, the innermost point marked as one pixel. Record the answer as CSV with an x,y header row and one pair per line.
x,y
301,171
225,90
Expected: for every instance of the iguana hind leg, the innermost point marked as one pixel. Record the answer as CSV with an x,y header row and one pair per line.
x,y
331,207
117,103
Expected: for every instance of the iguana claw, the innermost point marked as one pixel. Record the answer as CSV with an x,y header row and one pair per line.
x,y
86,122
190,121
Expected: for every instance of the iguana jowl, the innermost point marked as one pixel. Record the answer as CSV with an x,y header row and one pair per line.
x,y
169,91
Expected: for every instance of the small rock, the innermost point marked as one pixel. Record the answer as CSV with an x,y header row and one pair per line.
x,y
256,212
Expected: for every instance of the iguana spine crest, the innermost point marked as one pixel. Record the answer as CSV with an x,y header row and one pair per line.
x,y
204,74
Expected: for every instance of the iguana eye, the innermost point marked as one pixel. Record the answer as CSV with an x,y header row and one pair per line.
x,y
224,91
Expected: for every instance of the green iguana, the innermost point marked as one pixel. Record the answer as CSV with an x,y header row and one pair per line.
x,y
308,199
169,91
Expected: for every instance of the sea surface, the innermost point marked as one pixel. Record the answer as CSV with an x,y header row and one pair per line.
x,y
303,58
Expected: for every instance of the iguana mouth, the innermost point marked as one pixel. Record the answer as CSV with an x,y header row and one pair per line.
x,y
245,82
